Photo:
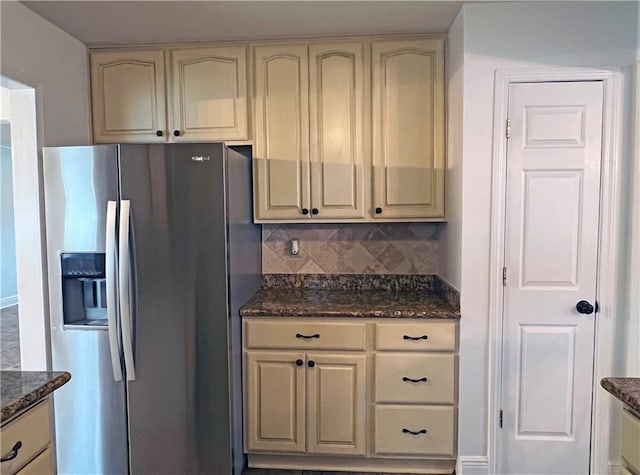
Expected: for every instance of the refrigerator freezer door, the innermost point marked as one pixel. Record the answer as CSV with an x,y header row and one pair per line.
x,y
90,411
179,402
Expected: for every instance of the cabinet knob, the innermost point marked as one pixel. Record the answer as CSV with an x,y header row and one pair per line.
x,y
378,210
299,362
305,211
176,133
314,211
159,133
311,363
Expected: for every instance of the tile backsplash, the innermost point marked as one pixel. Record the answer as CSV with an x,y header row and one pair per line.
x,y
385,248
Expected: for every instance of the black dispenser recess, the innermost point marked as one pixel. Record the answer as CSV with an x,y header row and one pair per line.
x,y
84,290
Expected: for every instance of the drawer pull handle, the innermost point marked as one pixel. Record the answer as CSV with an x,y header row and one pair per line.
x,y
307,337
421,431
415,338
409,380
14,452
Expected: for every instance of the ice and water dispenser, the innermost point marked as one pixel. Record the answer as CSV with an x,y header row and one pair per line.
x,y
84,289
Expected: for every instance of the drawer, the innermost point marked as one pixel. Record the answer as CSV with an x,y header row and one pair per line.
x,y
433,430
33,430
41,465
414,336
305,334
631,440
400,378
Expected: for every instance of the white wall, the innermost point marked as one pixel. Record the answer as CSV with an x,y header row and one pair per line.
x,y
633,357
451,237
41,55
502,36
52,110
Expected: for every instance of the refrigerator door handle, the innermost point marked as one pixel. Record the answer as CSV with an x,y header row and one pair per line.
x,y
110,269
124,283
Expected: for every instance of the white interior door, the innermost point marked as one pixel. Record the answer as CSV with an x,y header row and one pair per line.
x,y
551,248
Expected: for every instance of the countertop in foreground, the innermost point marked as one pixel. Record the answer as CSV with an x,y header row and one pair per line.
x,y
626,390
349,303
21,389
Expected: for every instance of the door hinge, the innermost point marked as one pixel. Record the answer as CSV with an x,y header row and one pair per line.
x,y
500,418
504,276
508,132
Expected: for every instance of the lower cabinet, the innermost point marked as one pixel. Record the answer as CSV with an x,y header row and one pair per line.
x,y
300,402
26,442
384,399
630,441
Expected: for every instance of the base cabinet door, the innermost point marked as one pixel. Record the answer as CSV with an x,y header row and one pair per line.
x,y
128,96
408,128
336,417
275,405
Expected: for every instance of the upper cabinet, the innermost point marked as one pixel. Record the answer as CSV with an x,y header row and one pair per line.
x,y
206,89
336,133
344,130
309,131
281,116
408,128
128,96
209,90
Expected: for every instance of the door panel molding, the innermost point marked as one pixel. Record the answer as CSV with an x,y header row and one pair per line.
x,y
613,149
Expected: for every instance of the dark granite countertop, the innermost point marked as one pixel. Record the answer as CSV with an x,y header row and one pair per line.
x,y
626,390
348,303
21,389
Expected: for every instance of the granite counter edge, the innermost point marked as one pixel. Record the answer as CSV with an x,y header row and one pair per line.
x,y
444,315
626,390
32,398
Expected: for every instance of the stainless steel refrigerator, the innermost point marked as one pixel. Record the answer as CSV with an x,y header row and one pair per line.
x,y
151,251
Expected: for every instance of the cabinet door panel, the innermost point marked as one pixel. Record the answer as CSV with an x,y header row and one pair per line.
x,y
210,93
408,128
33,429
281,159
42,464
128,96
275,410
336,391
336,102
416,431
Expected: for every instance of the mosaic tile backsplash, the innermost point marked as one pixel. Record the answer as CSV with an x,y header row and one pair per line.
x,y
386,248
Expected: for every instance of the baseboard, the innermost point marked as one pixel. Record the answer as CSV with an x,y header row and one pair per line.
x,y
9,301
472,465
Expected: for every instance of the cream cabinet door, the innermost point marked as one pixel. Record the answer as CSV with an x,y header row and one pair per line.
x,y
209,94
128,96
274,402
41,465
336,411
281,158
408,128
336,107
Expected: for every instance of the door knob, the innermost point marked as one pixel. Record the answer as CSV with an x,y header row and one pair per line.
x,y
299,362
584,307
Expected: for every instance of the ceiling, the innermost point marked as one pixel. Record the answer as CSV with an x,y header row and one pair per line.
x,y
99,22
